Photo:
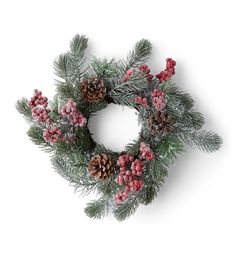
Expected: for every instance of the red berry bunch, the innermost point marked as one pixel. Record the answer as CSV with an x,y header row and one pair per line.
x,y
133,186
69,110
141,101
158,99
38,105
145,69
38,99
52,135
168,72
146,152
137,167
128,74
122,195
128,177
41,115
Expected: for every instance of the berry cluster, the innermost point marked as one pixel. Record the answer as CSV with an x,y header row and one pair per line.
x,y
40,114
168,72
146,152
141,101
145,69
158,99
69,110
38,99
128,74
137,167
133,186
128,177
52,135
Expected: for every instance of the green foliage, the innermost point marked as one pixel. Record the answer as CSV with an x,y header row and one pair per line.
x,y
149,191
169,149
55,105
107,187
136,82
127,208
179,99
90,109
62,67
99,149
157,169
140,54
61,166
204,140
104,68
192,119
74,168
78,45
35,133
67,90
124,92
23,108
133,148
70,66
63,148
97,209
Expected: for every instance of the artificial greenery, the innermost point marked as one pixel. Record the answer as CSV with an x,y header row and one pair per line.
x,y
71,157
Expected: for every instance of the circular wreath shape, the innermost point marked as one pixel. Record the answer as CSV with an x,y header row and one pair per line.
x,y
166,114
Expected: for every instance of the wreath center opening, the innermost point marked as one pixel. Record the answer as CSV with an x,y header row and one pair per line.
x,y
114,127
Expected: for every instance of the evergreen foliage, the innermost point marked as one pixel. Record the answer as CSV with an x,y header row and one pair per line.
x,y
140,54
98,208
70,157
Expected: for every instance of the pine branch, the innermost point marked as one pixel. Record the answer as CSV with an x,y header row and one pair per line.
x,y
90,109
69,66
179,99
97,209
150,191
55,106
23,108
133,148
193,119
78,45
157,169
127,208
100,149
75,173
124,92
104,68
36,135
157,172
108,187
62,67
66,91
61,167
140,54
123,99
169,149
136,83
205,141
63,148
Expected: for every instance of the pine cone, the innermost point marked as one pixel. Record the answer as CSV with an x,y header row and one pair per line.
x,y
101,166
160,123
93,89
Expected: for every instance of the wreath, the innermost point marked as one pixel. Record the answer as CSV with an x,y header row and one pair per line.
x,y
168,120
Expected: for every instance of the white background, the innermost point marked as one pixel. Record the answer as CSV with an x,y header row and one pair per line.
x,y
192,222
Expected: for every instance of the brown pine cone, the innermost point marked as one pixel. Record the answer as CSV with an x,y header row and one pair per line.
x,y
160,123
93,89
101,166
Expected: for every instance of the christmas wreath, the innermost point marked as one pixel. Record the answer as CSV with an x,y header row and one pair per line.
x,y
123,180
